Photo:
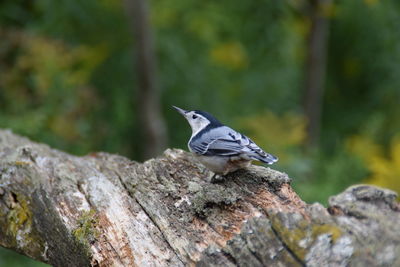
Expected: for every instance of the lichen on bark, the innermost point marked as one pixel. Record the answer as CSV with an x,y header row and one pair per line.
x,y
105,210
86,231
16,220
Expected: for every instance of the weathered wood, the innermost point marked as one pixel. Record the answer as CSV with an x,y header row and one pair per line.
x,y
105,210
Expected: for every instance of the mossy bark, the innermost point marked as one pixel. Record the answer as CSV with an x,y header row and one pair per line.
x,y
105,210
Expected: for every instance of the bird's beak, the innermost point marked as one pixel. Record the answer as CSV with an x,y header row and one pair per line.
x,y
182,111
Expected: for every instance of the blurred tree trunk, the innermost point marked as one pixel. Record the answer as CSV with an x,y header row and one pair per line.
x,y
315,67
152,124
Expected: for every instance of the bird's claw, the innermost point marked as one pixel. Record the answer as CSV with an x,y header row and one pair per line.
x,y
216,178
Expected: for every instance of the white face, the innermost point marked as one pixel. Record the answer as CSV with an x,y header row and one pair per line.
x,y
196,121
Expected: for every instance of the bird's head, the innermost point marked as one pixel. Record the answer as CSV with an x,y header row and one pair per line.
x,y
197,119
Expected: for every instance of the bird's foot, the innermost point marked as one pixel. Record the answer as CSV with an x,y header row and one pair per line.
x,y
216,178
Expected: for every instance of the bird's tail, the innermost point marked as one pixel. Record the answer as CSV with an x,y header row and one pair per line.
x,y
267,158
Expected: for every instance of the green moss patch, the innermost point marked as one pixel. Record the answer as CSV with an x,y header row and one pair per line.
x,y
86,233
20,231
301,234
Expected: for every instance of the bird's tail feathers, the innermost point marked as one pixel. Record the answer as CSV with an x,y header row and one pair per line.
x,y
268,158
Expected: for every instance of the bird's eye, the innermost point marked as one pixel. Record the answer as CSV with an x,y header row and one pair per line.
x,y
194,117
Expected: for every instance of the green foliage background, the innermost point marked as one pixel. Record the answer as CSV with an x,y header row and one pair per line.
x,y
67,79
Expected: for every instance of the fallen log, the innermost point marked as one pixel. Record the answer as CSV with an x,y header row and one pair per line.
x,y
105,210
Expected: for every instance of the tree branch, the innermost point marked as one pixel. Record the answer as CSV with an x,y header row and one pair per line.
x,y
105,210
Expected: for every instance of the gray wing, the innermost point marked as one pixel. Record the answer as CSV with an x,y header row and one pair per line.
x,y
224,141
218,141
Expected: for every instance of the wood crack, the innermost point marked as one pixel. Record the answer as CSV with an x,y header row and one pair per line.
x,y
83,192
288,249
147,214
159,229
229,257
254,254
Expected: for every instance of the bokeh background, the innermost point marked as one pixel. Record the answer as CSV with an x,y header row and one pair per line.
x,y
315,82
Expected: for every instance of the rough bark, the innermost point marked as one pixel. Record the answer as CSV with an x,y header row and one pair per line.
x,y
105,210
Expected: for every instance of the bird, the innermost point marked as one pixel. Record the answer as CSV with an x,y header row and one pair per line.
x,y
218,147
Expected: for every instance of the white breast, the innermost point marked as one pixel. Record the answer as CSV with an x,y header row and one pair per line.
x,y
223,165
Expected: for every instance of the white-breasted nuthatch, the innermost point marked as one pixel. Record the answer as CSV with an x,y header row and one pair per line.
x,y
220,148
